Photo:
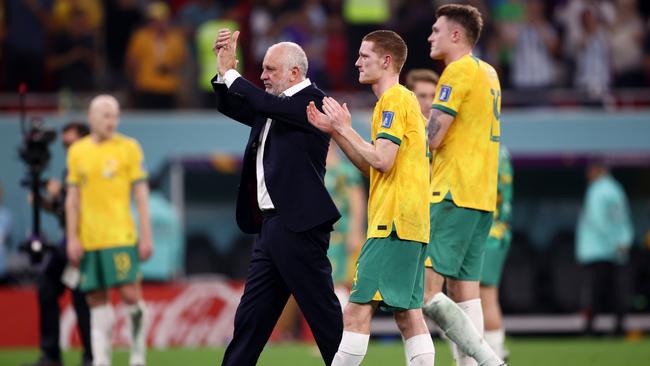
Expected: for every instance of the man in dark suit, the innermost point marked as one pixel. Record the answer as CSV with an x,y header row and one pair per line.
x,y
282,198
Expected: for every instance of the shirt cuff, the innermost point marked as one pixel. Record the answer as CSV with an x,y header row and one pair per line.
x,y
230,76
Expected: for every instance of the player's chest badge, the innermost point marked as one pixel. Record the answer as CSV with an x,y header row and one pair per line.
x,y
110,168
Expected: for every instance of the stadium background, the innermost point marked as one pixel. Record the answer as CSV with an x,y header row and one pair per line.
x,y
553,121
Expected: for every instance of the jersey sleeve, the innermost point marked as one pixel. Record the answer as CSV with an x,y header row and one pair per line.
x,y
393,121
73,170
136,170
452,88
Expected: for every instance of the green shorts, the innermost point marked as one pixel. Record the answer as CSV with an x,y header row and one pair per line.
x,y
338,256
496,252
458,240
391,271
111,267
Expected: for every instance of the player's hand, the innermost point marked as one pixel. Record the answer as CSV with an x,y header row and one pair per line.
x,y
53,187
318,119
222,39
145,248
340,115
75,251
226,56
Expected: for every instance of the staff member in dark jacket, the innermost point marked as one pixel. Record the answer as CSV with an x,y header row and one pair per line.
x,y
282,198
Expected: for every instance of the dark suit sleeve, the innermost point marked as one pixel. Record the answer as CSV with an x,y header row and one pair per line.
x,y
290,110
233,105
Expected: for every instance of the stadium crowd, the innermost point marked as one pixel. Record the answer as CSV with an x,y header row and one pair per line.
x,y
160,52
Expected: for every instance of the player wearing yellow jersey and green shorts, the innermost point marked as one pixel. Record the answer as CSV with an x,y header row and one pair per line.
x,y
390,268
463,134
496,252
104,169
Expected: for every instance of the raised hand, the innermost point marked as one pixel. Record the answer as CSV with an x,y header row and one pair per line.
x,y
226,56
340,115
318,119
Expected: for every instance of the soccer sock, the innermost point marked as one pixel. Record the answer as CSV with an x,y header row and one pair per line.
x,y
496,340
475,313
459,328
137,314
101,331
420,350
352,349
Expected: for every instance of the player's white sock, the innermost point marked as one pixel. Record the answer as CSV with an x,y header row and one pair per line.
x,y
352,349
101,330
496,339
420,350
137,317
475,313
459,328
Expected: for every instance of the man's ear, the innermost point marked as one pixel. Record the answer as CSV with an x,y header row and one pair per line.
x,y
387,60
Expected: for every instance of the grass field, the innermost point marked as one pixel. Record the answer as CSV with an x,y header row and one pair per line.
x,y
525,352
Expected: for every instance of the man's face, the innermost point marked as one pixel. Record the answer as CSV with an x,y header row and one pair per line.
x,y
69,137
369,63
440,38
424,92
276,76
104,118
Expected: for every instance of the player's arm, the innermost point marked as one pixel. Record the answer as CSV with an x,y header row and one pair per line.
x,y
437,127
73,245
141,196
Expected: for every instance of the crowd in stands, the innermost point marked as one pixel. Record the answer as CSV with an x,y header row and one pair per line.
x,y
160,52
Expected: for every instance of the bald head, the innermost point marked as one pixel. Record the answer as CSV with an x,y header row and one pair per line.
x,y
291,55
103,116
285,64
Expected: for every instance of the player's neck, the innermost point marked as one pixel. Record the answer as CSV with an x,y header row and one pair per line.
x,y
457,54
384,83
98,139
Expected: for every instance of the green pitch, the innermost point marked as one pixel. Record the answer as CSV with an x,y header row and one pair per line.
x,y
525,352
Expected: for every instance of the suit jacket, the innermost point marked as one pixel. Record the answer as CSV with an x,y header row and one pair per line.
x,y
294,156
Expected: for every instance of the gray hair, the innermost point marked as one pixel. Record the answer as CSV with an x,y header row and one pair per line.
x,y
294,56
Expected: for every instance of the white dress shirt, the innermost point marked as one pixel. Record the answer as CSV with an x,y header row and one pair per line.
x,y
263,198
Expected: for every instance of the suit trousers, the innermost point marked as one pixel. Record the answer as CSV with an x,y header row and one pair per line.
x,y
283,263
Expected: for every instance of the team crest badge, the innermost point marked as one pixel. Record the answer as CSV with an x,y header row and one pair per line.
x,y
445,92
387,119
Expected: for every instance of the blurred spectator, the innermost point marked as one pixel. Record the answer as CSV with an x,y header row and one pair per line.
x,y
627,44
64,12
336,54
592,56
72,59
5,230
27,24
192,15
413,22
311,23
123,17
536,43
155,55
603,239
268,20
570,15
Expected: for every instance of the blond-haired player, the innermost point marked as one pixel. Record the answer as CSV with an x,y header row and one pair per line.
x,y
104,170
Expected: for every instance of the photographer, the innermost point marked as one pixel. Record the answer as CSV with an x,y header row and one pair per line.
x,y
50,282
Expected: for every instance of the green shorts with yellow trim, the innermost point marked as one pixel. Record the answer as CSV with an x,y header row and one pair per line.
x,y
110,267
391,271
457,240
496,252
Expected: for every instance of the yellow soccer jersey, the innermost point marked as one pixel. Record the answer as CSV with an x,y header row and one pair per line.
x,y
399,197
466,162
105,173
